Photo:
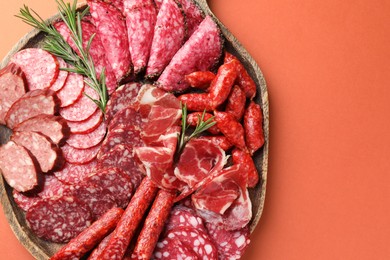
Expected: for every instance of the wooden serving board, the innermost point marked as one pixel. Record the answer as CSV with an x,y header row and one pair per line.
x,y
41,249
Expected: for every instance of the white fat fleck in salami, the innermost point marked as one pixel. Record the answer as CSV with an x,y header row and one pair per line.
x,y
82,109
169,34
200,52
44,71
41,148
62,76
79,156
83,141
111,28
12,87
72,90
31,104
171,248
126,116
74,173
59,219
88,125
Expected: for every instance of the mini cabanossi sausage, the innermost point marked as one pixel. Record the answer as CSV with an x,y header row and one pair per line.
x,y
194,118
230,128
236,103
254,136
245,160
200,79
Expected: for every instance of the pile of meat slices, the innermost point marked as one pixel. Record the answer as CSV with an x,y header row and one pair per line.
x,y
113,186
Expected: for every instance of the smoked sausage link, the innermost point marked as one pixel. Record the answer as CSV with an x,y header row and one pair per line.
x,y
253,127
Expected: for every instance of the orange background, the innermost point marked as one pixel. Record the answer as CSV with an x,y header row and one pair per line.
x,y
327,66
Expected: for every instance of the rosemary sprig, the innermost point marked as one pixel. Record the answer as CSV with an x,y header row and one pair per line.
x,y
57,45
201,126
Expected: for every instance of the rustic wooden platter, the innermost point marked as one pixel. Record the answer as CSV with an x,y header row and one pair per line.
x,y
41,249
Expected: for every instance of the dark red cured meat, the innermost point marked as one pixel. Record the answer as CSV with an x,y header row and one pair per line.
x,y
25,200
194,15
51,187
153,225
198,241
59,219
130,220
140,21
17,167
245,160
253,125
99,249
184,217
88,125
236,103
200,52
200,79
62,76
218,140
121,156
230,128
197,101
194,118
79,156
111,28
41,148
126,116
123,97
72,90
32,103
171,248
75,173
83,141
169,34
90,237
82,109
45,70
54,127
115,182
12,87
230,244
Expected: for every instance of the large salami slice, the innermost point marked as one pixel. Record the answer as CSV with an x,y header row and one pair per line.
x,y
88,125
171,248
126,116
51,187
111,28
12,87
40,147
62,76
83,141
45,70
31,104
75,173
72,90
182,216
169,34
58,219
194,15
79,156
200,52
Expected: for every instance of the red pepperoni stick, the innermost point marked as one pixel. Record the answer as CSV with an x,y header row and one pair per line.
x,y
200,79
193,119
90,237
154,224
124,232
254,136
197,101
236,103
244,80
230,128
245,160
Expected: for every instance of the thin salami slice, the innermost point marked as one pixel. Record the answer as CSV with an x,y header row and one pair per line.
x,y
17,167
12,87
40,147
115,182
194,15
230,244
83,141
121,156
88,125
200,52
75,173
123,97
62,76
126,116
82,109
182,216
79,156
59,219
169,34
171,248
54,127
52,187
25,200
72,90
45,70
33,103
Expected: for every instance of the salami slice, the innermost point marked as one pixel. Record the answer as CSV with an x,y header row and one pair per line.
x,y
62,76
72,90
182,216
79,156
83,141
75,173
169,34
201,52
123,97
59,219
45,70
54,127
82,109
31,104
25,200
52,187
88,125
40,147
126,116
194,15
17,167
111,28
172,248
12,87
